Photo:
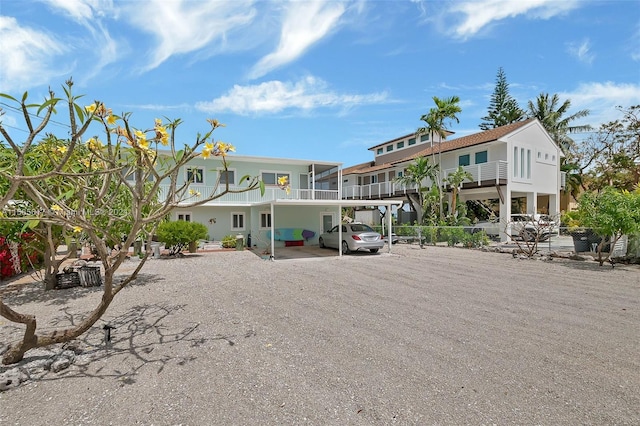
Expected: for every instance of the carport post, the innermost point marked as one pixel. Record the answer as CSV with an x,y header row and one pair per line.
x,y
389,238
273,232
339,230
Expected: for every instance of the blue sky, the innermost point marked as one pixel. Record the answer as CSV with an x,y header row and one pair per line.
x,y
319,80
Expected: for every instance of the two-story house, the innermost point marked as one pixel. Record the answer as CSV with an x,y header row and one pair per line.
x,y
312,202
517,162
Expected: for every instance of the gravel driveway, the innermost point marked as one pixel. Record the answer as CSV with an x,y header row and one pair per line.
x,y
432,336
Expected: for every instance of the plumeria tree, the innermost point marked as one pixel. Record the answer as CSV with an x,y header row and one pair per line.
x,y
105,189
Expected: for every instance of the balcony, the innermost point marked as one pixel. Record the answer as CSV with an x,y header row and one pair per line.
x,y
249,197
485,174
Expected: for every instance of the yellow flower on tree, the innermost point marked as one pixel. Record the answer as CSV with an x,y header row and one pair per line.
x,y
77,229
161,132
111,120
62,150
215,123
194,193
282,180
56,208
90,108
224,148
208,150
94,144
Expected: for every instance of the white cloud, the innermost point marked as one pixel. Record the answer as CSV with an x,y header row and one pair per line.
x,y
276,96
82,11
477,15
581,51
304,24
602,99
27,56
186,26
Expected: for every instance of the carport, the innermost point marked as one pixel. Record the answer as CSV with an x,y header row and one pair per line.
x,y
332,205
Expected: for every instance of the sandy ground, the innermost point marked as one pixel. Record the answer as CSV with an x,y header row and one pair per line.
x,y
432,336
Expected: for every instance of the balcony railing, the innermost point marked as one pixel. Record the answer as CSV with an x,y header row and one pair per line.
x,y
484,173
494,172
201,192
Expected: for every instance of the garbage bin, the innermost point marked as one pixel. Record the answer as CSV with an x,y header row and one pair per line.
x,y
156,250
239,242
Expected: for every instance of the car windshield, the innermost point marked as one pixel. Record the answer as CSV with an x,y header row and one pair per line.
x,y
358,227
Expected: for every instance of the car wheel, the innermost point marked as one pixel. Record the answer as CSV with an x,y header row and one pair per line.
x,y
373,250
345,248
527,235
321,243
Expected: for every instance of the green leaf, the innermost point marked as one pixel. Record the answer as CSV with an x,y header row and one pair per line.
x,y
33,223
262,189
24,96
245,177
47,103
79,112
4,95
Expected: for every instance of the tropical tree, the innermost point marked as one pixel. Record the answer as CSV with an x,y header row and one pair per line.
x,y
552,115
417,173
610,156
455,180
129,163
503,108
611,214
446,109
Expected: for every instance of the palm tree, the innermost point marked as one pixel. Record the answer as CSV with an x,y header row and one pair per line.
x,y
416,173
445,109
456,179
550,113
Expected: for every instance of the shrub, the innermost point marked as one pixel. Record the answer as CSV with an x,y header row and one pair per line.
x,y
177,235
229,241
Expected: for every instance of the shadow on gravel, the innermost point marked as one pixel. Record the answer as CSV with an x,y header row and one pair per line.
x,y
137,339
34,292
592,266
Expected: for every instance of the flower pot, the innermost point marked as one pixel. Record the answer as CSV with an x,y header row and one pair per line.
x,y
193,246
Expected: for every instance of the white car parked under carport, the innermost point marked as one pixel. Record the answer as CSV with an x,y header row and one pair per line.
x,y
355,236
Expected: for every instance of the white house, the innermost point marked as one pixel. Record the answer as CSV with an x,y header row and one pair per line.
x,y
313,202
518,161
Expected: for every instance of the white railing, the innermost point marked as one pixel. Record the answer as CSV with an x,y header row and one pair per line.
x,y
373,190
563,180
201,192
490,171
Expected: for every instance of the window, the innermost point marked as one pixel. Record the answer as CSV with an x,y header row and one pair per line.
x,y
464,160
424,137
379,151
237,221
195,175
400,145
184,216
481,157
227,177
522,163
374,179
389,148
265,220
412,141
271,178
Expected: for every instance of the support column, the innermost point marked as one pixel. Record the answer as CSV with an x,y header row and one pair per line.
x,y
273,232
505,215
532,202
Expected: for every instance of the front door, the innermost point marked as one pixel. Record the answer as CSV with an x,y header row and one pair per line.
x,y
327,222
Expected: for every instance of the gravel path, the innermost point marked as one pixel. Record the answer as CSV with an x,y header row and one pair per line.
x,y
432,336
